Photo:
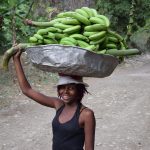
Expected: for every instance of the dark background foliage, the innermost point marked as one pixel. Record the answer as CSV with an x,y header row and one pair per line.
x,y
118,12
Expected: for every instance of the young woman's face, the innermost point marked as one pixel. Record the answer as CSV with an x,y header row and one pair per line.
x,y
68,93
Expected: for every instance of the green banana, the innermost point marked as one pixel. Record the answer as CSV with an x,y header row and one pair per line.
x,y
106,20
51,35
97,20
102,45
80,37
67,43
60,15
42,31
56,20
33,39
38,36
53,29
70,21
86,33
101,51
82,44
98,35
59,36
40,41
70,39
115,34
122,46
95,27
113,39
72,30
91,47
111,46
50,41
62,26
97,41
88,11
81,18
82,12
94,12
13,50
125,52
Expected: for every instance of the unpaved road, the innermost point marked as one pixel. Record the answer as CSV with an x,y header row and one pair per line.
x,y
121,104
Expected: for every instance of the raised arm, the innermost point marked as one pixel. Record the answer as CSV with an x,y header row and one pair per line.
x,y
27,89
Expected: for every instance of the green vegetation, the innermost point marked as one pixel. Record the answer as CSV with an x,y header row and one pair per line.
x,y
13,14
118,12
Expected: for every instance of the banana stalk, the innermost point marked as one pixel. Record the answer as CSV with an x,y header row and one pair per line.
x,y
10,52
37,24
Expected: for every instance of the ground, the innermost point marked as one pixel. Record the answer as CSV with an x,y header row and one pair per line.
x,y
121,103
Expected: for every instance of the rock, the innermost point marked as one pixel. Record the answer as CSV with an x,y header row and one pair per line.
x,y
141,40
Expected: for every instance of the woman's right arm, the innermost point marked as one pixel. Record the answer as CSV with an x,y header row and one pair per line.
x,y
27,89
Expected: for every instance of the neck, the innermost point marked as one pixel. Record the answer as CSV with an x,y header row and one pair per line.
x,y
71,105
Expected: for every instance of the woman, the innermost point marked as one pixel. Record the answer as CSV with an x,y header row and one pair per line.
x,y
74,124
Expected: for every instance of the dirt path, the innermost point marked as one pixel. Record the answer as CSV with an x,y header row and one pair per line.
x,y
122,108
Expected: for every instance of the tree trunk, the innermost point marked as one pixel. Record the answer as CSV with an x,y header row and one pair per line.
x,y
66,5
1,22
48,7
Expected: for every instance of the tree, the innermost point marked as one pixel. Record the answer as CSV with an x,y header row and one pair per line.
x,y
12,22
119,13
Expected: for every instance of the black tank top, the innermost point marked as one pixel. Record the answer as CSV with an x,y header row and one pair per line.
x,y
68,135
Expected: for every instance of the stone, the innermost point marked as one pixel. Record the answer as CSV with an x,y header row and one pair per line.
x,y
141,40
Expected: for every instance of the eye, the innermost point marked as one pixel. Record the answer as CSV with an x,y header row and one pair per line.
x,y
71,88
61,87
68,87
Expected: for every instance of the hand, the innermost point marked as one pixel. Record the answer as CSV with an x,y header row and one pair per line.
x,y
17,54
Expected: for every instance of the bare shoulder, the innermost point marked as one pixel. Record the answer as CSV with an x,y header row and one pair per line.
x,y
86,117
87,112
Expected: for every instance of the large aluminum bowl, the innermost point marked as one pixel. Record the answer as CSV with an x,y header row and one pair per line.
x,y
71,60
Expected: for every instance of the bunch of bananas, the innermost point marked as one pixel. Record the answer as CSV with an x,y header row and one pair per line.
x,y
82,27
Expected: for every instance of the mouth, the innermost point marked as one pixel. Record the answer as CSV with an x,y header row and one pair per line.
x,y
66,97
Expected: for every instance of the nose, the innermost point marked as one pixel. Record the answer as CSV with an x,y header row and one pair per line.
x,y
65,90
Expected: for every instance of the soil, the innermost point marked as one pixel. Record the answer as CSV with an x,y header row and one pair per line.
x,y
121,103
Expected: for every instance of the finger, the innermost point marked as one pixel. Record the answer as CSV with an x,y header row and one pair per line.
x,y
19,51
17,54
